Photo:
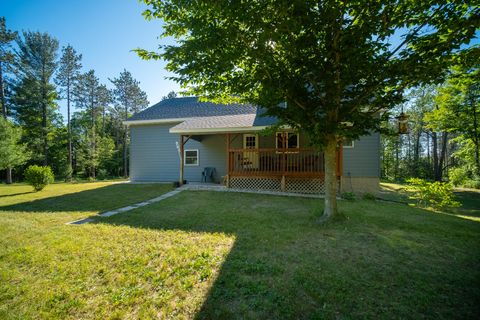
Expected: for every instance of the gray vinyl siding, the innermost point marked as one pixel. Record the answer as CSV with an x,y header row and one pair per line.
x,y
363,160
154,156
212,153
153,153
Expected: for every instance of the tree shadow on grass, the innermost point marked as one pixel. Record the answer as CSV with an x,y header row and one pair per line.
x,y
99,199
284,266
15,194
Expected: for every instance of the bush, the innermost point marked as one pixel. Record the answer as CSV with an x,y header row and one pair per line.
x,y
458,176
348,196
472,183
102,174
438,195
38,177
369,196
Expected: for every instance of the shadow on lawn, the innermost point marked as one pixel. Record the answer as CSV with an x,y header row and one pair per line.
x,y
15,194
284,266
99,199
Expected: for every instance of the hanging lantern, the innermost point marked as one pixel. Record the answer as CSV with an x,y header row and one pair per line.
x,y
402,120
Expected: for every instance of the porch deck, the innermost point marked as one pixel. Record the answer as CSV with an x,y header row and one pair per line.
x,y
299,170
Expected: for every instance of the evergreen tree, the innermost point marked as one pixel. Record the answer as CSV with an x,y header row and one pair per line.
x,y
6,59
35,94
67,76
12,152
86,92
129,98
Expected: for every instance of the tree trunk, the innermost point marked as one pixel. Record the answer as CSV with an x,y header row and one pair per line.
x,y
125,160
94,142
330,154
416,153
9,175
397,158
442,159
436,167
2,93
69,130
475,139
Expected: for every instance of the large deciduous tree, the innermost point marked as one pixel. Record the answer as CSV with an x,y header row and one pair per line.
x,y
129,98
67,77
337,64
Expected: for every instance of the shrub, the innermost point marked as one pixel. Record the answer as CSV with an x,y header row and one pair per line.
x,y
66,172
369,196
38,177
348,196
438,195
472,183
102,174
458,176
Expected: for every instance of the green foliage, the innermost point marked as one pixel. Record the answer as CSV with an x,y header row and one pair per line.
x,y
472,183
348,196
438,195
102,174
326,69
12,152
38,176
458,176
368,196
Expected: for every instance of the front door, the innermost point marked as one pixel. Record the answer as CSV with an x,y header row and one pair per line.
x,y
250,153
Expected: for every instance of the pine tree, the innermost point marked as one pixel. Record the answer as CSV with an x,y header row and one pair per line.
x,y
35,93
67,77
129,98
6,59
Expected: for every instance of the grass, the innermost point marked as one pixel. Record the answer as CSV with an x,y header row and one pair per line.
x,y
209,255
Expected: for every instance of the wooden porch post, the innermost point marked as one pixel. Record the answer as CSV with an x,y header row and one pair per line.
x,y
181,159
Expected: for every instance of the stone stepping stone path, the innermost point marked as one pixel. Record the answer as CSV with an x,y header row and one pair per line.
x,y
128,208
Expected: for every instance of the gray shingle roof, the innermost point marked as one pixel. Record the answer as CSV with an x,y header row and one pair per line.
x,y
217,122
190,107
204,115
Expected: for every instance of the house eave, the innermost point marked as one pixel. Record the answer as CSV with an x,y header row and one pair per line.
x,y
153,121
217,130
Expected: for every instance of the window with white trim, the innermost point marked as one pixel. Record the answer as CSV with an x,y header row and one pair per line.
x,y
287,140
190,157
348,143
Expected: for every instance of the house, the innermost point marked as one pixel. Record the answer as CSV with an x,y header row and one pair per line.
x,y
177,139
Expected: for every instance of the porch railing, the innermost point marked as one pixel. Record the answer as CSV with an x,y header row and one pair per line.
x,y
301,162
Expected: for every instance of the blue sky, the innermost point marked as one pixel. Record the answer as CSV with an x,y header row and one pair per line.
x,y
104,31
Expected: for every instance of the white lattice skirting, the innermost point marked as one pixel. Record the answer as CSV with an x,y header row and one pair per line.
x,y
294,185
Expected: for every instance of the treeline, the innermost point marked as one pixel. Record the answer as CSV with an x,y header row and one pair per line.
x,y
35,75
443,140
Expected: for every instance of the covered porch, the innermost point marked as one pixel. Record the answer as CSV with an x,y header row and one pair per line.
x,y
275,162
286,167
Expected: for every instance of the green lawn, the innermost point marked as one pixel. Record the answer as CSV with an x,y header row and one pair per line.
x,y
210,255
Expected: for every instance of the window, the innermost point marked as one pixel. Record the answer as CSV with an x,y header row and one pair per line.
x,y
348,143
190,157
250,141
288,140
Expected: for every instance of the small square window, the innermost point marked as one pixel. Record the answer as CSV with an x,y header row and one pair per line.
x,y
191,157
348,143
